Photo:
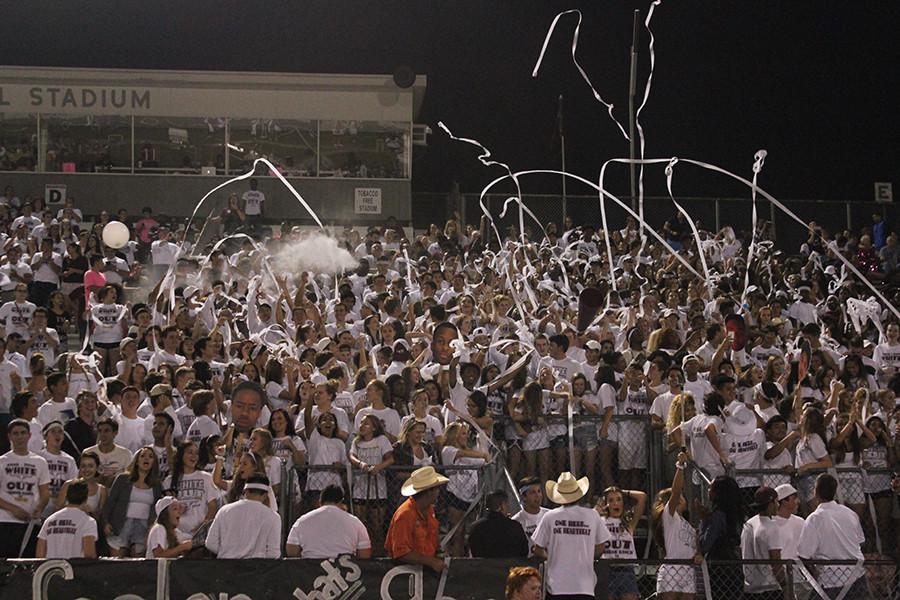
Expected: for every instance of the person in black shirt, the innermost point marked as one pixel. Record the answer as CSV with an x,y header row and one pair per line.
x,y
496,535
675,229
81,432
720,537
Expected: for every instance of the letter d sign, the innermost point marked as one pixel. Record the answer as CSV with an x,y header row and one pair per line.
x,y
54,193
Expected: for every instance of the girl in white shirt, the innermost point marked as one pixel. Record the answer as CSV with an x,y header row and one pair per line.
x,y
463,487
621,521
325,449
109,324
165,540
812,454
370,454
676,539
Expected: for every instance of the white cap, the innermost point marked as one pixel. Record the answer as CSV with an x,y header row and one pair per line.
x,y
164,503
592,345
785,490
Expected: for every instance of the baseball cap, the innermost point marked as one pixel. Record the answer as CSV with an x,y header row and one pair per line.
x,y
592,345
125,341
689,358
52,425
164,503
161,389
785,490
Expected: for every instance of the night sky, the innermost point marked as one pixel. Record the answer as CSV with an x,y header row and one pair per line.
x,y
814,83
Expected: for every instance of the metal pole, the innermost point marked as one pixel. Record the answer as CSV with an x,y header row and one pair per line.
x,y
562,146
632,92
772,220
718,226
227,144
848,217
132,144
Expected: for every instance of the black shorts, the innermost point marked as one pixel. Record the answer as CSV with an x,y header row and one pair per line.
x,y
455,502
560,441
106,345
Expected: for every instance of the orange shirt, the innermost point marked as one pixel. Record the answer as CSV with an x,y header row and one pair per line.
x,y
411,531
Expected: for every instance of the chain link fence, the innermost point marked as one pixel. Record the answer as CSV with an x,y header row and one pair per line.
x,y
373,498
712,213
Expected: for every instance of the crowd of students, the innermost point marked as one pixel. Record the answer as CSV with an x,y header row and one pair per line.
x,y
164,369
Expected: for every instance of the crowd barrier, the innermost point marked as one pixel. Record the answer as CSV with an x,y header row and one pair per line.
x,y
347,578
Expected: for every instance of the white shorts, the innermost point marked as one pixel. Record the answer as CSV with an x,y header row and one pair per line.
x,y
676,578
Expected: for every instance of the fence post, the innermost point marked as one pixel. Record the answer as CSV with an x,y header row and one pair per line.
x,y
718,223
849,224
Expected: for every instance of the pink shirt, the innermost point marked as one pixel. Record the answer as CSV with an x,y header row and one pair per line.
x,y
92,279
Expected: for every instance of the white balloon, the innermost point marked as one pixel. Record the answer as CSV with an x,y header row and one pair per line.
x,y
116,234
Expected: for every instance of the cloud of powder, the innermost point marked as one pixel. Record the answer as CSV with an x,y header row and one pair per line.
x,y
317,253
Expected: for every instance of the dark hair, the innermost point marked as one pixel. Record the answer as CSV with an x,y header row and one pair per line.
x,y
720,381
178,468
253,387
713,404
725,496
110,422
480,401
18,423
289,429
77,492
207,450
826,487
560,340
54,378
200,401
496,500
332,494
169,420
19,403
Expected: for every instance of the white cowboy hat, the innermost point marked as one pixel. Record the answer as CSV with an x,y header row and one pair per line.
x,y
567,489
422,479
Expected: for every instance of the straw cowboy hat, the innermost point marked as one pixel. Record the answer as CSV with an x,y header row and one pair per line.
x,y
567,489
422,479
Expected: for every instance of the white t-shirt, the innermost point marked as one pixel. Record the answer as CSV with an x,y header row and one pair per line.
x,y
886,355
62,468
202,427
529,523
280,450
702,450
20,478
132,433
747,452
680,536
108,320
17,317
463,482
324,451
833,532
790,529
157,539
195,491
365,485
42,271
760,535
569,534
253,201
622,543
563,369
245,529
113,463
328,532
56,411
810,450
389,418
433,427
163,252
64,532
698,389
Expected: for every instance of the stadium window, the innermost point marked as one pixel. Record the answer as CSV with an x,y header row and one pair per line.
x,y
178,144
87,143
376,149
289,144
18,142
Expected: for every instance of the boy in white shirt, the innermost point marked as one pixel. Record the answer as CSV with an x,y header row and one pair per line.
x,y
70,532
24,493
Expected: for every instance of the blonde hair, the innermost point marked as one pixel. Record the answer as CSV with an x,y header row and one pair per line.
x,y
676,410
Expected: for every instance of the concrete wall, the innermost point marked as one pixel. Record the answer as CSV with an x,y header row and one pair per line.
x,y
177,195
